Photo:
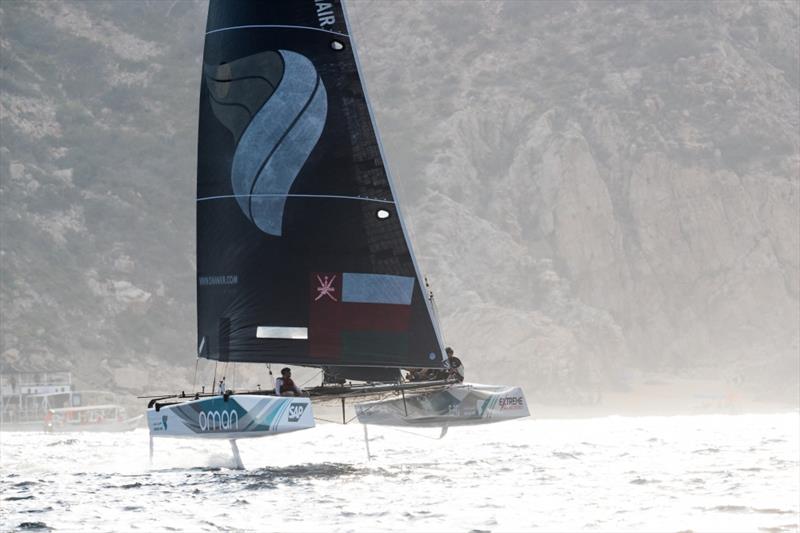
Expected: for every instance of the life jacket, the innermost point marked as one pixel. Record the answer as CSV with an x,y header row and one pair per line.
x,y
286,385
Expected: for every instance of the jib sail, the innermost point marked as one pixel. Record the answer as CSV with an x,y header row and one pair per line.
x,y
302,257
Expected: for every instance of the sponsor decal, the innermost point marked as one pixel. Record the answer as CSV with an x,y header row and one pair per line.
x,y
459,409
206,281
158,425
325,13
511,402
218,420
296,410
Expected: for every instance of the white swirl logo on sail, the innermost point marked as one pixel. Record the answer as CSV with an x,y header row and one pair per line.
x,y
276,105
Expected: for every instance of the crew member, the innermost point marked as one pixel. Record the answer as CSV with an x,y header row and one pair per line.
x,y
222,386
284,386
455,368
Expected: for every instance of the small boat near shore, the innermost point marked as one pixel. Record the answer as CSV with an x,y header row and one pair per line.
x,y
97,417
46,401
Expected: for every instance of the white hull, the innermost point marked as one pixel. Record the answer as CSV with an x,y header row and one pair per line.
x,y
238,416
457,405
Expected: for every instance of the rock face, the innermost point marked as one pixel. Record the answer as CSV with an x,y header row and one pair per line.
x,y
593,189
96,226
621,178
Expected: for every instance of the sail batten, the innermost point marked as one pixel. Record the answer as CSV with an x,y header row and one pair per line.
x,y
276,26
329,196
302,256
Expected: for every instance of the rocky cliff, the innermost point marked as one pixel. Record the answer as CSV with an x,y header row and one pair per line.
x,y
594,189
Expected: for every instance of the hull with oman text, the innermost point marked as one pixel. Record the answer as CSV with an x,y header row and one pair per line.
x,y
238,416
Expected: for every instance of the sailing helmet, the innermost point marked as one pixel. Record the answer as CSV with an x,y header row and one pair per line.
x,y
286,370
448,350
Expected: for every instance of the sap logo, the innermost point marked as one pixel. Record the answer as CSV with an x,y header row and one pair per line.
x,y
512,402
215,420
296,410
325,13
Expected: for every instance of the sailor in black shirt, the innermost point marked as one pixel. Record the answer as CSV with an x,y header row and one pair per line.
x,y
455,368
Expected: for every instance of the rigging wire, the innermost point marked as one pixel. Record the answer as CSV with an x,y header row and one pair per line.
x,y
309,379
434,307
194,381
214,379
271,377
366,410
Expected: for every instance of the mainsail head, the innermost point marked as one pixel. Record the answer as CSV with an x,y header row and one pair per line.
x,y
302,257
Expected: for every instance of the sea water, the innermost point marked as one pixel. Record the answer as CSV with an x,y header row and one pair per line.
x,y
698,473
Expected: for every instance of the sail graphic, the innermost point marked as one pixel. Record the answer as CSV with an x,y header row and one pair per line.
x,y
275,106
302,257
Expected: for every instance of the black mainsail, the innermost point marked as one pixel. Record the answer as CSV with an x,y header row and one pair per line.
x,y
302,257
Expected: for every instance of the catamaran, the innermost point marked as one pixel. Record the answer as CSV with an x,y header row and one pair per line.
x,y
302,254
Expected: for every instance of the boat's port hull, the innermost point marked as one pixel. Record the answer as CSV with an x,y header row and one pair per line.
x,y
457,405
236,416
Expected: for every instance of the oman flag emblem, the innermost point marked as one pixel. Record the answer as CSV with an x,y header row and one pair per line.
x,y
359,317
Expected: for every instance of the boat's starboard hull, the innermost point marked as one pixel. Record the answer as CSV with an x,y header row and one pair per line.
x,y
238,416
456,405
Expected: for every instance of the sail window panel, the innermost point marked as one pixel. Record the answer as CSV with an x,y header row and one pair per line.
x,y
281,332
